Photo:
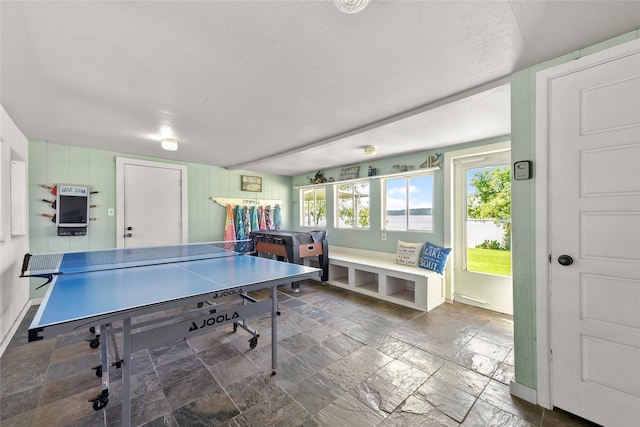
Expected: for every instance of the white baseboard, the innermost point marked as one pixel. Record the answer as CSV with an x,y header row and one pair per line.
x,y
14,327
523,392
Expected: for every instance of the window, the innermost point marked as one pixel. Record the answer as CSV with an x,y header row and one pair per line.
x,y
408,203
314,207
352,202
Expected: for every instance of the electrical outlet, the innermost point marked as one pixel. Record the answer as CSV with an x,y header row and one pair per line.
x,y
384,236
111,212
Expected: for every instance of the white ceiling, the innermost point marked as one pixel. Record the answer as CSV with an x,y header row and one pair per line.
x,y
282,87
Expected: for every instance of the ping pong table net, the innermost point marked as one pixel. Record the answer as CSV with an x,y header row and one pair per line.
x,y
49,265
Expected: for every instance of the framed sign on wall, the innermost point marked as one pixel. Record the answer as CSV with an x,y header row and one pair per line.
x,y
251,183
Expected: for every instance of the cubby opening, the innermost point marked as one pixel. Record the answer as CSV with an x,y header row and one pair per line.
x,y
339,274
401,289
366,280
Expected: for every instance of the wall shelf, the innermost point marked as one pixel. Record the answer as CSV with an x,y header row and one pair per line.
x,y
369,178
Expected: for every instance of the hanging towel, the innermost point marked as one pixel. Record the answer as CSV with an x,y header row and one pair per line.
x,y
229,228
255,224
239,224
277,218
263,221
268,218
246,219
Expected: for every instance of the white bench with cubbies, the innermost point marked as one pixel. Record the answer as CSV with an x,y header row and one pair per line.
x,y
376,274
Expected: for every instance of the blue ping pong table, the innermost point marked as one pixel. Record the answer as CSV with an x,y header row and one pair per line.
x,y
206,284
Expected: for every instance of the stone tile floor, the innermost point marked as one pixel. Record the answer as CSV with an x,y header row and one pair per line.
x,y
344,360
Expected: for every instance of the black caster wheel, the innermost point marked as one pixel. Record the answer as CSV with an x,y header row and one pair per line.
x,y
94,343
100,403
99,372
235,327
253,342
92,329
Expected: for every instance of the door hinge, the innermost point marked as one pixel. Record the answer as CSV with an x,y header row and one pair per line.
x,y
549,258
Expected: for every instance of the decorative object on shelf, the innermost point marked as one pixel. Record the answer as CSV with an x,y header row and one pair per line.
x,y
372,171
432,161
349,173
401,168
251,183
319,178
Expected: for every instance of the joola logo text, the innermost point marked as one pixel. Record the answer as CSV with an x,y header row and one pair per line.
x,y
221,318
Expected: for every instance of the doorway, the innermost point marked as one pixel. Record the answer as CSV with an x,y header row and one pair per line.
x,y
588,251
151,203
480,227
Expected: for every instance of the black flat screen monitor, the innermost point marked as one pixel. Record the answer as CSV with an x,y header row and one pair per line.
x,y
72,211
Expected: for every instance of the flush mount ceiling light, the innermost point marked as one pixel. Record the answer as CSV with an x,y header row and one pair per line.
x,y
370,150
351,6
170,144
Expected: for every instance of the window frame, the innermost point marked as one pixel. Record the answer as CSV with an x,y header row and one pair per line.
x,y
301,197
383,201
336,201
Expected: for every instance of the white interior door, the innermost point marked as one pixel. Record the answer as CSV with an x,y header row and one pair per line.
x,y
151,203
594,225
481,256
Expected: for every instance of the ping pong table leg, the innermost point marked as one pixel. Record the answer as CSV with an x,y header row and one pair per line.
x,y
126,373
274,329
104,358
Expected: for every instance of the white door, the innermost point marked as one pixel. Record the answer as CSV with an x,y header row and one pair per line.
x,y
594,202
151,203
482,247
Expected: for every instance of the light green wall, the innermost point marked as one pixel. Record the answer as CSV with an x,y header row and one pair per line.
x,y
371,238
54,163
523,101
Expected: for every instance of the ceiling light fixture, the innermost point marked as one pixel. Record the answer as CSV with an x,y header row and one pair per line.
x,y
370,150
351,6
170,144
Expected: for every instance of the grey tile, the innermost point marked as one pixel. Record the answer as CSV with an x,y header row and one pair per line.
x,y
422,360
254,390
16,403
417,412
342,344
484,414
355,367
462,378
389,386
499,395
282,411
314,392
170,352
449,400
391,346
476,362
348,411
211,409
505,373
487,348
318,357
233,370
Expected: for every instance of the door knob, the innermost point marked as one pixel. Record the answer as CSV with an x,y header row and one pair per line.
x,y
565,260
129,228
128,235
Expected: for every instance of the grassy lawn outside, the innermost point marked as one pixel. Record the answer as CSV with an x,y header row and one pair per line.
x,y
489,261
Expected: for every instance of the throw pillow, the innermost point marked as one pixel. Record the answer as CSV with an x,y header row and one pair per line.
x,y
408,253
434,257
